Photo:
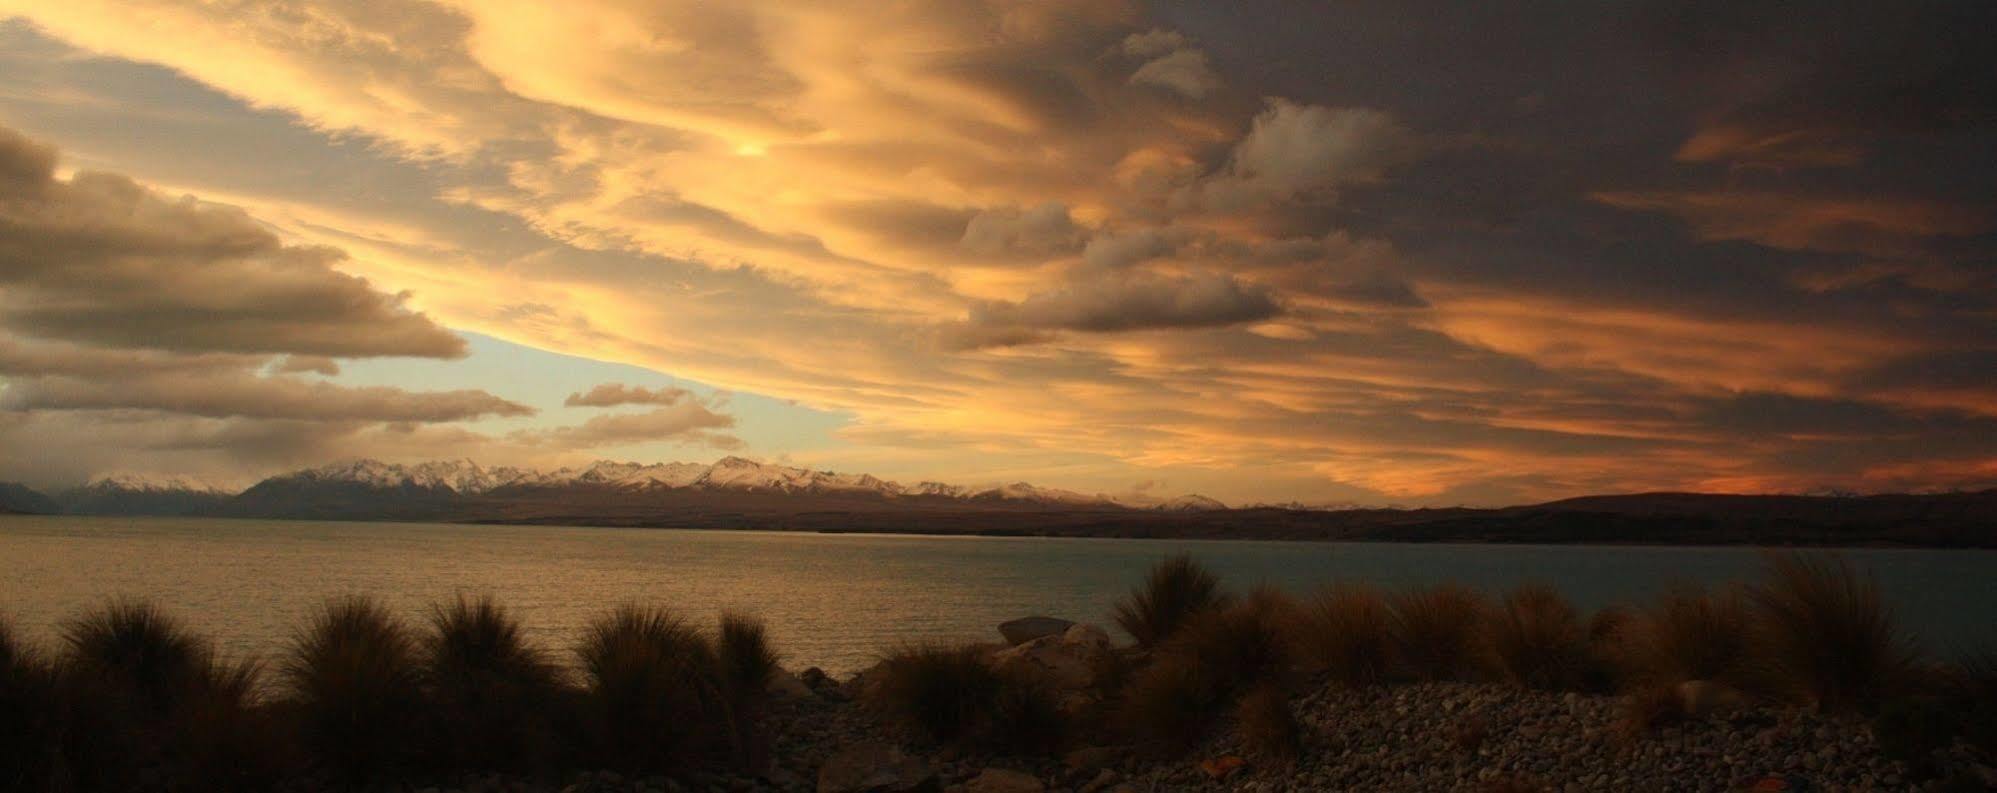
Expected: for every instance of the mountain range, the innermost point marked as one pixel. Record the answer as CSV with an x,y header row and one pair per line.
x,y
360,486
737,493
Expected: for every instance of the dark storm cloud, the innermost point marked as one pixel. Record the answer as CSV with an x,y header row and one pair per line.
x,y
1121,304
102,260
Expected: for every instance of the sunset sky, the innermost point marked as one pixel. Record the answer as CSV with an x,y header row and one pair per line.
x,y
1400,251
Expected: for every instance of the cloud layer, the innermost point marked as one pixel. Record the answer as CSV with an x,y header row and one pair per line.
x,y
1374,251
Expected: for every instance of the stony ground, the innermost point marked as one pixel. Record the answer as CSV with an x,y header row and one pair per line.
x,y
1421,737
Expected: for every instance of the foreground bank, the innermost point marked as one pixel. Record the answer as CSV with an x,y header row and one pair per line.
x,y
1799,679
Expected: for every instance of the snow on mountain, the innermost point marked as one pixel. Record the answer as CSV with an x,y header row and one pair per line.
x,y
145,483
729,473
1021,491
1191,502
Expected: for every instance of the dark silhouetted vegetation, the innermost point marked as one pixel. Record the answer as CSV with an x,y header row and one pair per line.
x,y
1348,634
1173,593
132,699
1827,637
1535,639
952,695
1436,631
354,681
654,693
492,695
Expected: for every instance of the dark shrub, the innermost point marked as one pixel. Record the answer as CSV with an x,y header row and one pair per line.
x,y
935,691
951,695
1348,633
747,660
29,730
1827,637
1436,631
140,696
1216,657
654,701
1688,636
490,692
1176,590
1535,639
353,681
1269,730
747,665
150,661
1975,691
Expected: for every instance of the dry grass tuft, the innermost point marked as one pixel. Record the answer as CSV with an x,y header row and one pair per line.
x,y
1175,591
1348,633
1437,630
654,701
1827,637
1535,639
491,693
1220,654
1269,730
951,695
354,681
1689,636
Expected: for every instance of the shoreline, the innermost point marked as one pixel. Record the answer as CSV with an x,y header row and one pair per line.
x,y
888,531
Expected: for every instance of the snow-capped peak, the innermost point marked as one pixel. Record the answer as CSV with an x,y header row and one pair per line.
x,y
728,473
147,483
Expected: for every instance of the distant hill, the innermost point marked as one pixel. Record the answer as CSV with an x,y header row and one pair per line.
x,y
18,499
737,493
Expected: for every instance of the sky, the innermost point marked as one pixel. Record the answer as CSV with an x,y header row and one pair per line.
x,y
1369,252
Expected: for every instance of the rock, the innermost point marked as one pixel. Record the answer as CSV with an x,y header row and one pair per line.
x,y
784,685
1704,699
1067,661
1026,629
1000,780
817,678
874,766
1102,782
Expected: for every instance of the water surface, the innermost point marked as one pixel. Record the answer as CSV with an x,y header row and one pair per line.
x,y
830,600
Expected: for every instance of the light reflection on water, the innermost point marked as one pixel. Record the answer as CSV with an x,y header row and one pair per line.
x,y
833,601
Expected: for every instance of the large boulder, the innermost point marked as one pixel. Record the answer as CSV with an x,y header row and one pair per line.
x,y
875,767
1068,661
1026,629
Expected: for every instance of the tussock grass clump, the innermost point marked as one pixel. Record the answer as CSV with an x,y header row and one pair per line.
x,y
654,700
1827,637
139,693
353,679
1269,730
491,693
28,728
1347,632
147,659
951,695
1217,656
1535,639
1437,630
747,660
1975,690
1685,636
1175,591
937,691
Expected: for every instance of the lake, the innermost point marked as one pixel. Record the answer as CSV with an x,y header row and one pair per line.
x,y
831,600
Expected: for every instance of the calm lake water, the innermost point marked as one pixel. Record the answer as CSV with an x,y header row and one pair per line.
x,y
830,600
